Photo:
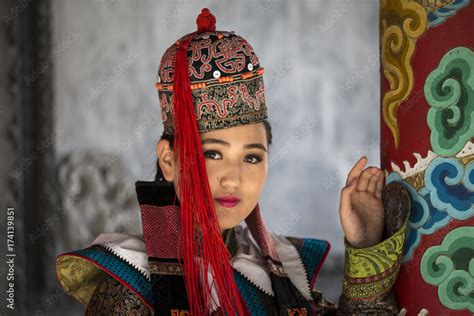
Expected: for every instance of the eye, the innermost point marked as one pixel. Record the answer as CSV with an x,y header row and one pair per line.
x,y
212,154
253,159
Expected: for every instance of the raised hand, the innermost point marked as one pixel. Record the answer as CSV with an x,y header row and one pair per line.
x,y
361,210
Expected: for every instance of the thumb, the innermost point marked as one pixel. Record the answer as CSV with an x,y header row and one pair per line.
x,y
345,203
351,187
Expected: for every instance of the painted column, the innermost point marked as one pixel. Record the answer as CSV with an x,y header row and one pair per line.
x,y
427,129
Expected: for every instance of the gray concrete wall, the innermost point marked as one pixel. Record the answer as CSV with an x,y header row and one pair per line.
x,y
322,88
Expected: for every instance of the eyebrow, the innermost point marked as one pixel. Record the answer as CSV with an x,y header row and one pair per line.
x,y
222,142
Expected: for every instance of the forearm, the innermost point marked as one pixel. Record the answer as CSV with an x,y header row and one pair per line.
x,y
371,272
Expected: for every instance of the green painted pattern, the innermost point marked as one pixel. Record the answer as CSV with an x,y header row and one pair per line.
x,y
450,267
449,90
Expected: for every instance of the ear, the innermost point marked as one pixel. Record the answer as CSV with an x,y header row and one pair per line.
x,y
166,159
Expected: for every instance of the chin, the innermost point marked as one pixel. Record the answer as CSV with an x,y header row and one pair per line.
x,y
226,224
228,218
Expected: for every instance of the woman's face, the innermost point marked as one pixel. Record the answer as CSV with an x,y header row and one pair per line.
x,y
237,165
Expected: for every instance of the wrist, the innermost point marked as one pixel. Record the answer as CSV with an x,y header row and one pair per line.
x,y
363,242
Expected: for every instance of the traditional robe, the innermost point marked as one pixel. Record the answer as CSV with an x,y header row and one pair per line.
x,y
115,275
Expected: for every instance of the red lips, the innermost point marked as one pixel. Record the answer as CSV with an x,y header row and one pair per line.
x,y
228,201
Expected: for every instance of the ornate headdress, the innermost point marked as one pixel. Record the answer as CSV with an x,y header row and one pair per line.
x,y
223,74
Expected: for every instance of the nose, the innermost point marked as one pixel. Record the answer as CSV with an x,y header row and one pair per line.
x,y
231,177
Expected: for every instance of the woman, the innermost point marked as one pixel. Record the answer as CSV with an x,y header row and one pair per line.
x,y
194,257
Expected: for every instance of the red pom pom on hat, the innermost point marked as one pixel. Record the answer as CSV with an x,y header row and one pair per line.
x,y
206,22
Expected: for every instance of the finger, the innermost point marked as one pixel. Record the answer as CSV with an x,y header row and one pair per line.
x,y
356,170
380,183
372,186
345,202
364,178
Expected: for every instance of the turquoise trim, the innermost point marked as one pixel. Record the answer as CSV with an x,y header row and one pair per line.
x,y
313,253
250,295
119,268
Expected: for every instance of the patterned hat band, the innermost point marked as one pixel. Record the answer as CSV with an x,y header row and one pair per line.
x,y
225,77
221,105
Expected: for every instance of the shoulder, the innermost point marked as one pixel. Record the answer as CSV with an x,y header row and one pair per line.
x,y
302,259
313,253
113,298
118,257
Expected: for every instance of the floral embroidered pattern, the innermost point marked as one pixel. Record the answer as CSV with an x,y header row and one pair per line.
x,y
112,298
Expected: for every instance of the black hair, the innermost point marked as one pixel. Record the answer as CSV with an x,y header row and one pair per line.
x,y
170,138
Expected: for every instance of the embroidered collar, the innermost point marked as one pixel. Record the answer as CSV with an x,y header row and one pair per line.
x,y
247,259
129,248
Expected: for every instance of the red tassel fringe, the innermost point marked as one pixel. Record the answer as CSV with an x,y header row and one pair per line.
x,y
198,217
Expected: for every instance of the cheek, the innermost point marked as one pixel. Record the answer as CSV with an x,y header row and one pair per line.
x,y
254,180
212,170
258,175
